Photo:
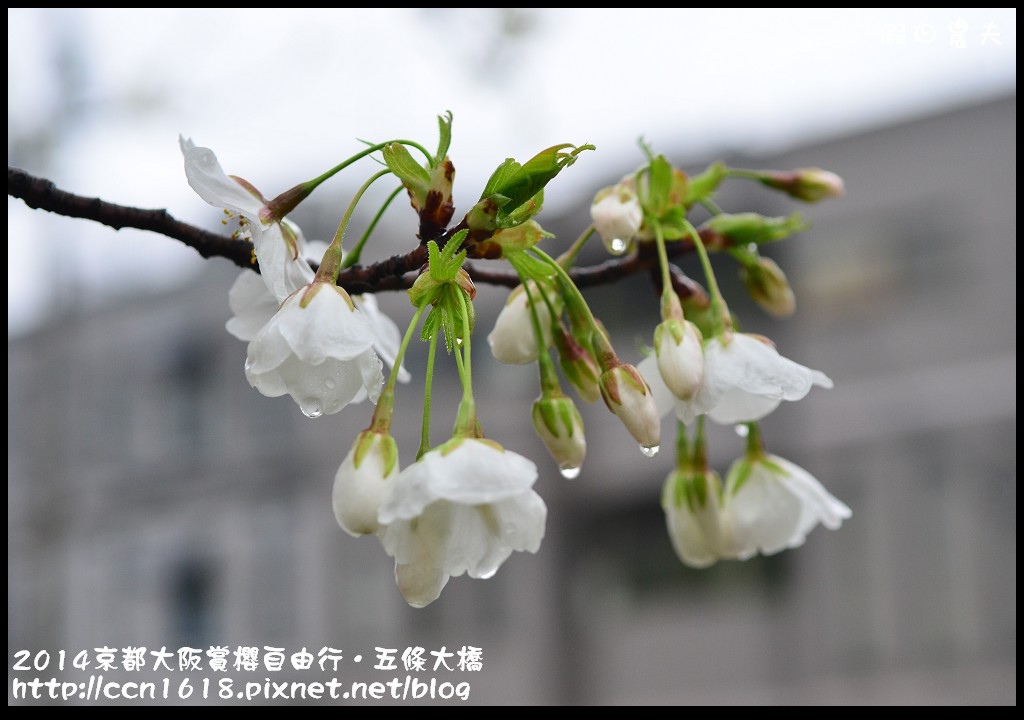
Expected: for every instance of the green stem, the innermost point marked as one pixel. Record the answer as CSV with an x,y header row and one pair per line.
x,y
330,266
568,258
670,306
466,422
427,387
312,184
386,402
683,457
721,311
755,443
700,448
353,257
573,297
548,376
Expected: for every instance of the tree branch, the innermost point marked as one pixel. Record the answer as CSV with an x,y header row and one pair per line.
x,y
394,273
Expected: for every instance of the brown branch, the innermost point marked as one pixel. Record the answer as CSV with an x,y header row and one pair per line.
x,y
394,273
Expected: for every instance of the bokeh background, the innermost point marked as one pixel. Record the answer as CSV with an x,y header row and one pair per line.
x,y
156,500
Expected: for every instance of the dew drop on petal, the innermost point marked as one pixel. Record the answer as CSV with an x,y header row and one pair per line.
x,y
570,472
650,451
489,574
312,411
329,383
617,246
249,364
742,430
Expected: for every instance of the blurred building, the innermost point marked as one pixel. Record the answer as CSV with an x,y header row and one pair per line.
x,y
156,500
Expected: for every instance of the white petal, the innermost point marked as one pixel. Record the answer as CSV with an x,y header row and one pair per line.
x,y
328,327
764,514
473,472
389,338
358,493
663,397
252,304
697,535
322,389
819,505
283,271
420,583
213,185
738,406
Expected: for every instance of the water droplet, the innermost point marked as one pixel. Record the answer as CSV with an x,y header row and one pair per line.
x,y
742,430
488,574
617,246
248,364
329,383
458,341
312,411
570,472
650,451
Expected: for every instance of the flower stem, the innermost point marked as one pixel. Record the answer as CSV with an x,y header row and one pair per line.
x,y
353,257
311,184
331,265
466,423
721,310
568,258
755,443
548,376
574,299
427,387
684,460
386,403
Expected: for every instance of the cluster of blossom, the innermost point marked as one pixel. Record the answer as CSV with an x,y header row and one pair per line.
x,y
464,505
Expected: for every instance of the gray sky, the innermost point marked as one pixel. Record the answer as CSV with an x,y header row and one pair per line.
x,y
97,98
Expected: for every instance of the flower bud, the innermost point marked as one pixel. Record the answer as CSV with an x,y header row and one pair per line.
x,y
807,184
627,394
692,503
558,423
617,216
578,365
679,347
746,228
769,288
513,340
363,482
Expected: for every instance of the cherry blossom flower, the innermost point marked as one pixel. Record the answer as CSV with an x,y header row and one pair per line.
x,y
317,348
277,246
464,507
745,379
772,504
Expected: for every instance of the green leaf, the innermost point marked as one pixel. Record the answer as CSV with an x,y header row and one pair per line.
x,y
659,184
415,178
445,125
527,266
501,175
524,212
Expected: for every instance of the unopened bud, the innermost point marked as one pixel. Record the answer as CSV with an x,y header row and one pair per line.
x,y
559,425
617,216
807,184
627,394
769,288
